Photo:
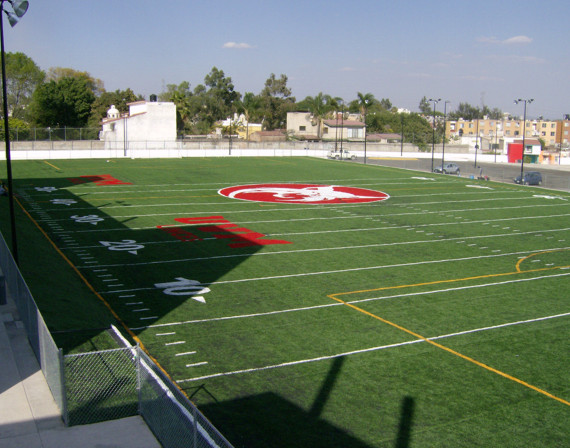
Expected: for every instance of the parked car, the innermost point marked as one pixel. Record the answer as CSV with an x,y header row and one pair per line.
x,y
448,168
529,178
341,154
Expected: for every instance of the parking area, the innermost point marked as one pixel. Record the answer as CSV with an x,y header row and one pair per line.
x,y
556,177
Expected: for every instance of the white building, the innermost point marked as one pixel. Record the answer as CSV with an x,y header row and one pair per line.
x,y
146,121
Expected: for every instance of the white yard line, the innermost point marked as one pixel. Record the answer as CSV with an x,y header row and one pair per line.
x,y
309,308
364,246
366,350
337,271
312,207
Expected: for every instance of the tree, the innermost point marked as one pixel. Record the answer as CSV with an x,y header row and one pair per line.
x,y
66,102
180,95
365,101
318,108
386,103
469,112
119,98
220,95
22,77
277,101
59,73
250,106
425,106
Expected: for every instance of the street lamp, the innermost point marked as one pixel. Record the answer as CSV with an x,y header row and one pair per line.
x,y
230,146
476,141
431,100
524,131
564,117
444,133
19,7
341,127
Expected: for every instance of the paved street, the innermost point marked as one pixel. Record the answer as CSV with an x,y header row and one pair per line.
x,y
555,177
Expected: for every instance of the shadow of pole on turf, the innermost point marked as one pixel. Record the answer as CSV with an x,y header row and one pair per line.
x,y
326,388
405,426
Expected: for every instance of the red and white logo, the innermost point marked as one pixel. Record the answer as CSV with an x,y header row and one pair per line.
x,y
303,194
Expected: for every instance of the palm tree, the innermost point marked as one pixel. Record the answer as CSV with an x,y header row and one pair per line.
x,y
250,105
365,101
318,106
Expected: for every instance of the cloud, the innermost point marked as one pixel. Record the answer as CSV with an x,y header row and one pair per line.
x,y
347,69
512,58
515,40
236,45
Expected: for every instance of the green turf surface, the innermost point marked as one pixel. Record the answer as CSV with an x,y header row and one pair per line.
x,y
318,342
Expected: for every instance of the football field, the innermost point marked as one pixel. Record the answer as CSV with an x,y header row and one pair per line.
x,y
302,302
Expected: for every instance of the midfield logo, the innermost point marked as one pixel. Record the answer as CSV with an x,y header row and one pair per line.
x,y
303,194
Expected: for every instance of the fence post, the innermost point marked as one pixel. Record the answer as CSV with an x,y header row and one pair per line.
x,y
63,388
3,294
139,380
194,409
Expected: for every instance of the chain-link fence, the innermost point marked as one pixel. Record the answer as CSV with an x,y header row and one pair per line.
x,y
100,386
173,419
110,384
51,134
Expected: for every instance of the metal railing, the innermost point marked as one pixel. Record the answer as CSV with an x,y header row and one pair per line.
x,y
109,384
47,353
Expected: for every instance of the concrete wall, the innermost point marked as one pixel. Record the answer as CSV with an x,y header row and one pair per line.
x,y
93,149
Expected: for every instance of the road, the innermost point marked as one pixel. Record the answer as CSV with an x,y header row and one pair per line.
x,y
556,177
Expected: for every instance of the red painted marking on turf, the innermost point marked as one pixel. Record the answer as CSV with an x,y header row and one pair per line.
x,y
303,194
179,234
224,230
102,179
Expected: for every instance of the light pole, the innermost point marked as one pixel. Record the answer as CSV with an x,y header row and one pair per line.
x,y
341,128
444,133
20,7
492,145
476,141
402,135
524,131
564,117
230,147
431,100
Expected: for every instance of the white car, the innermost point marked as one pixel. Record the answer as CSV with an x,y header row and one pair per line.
x,y
341,154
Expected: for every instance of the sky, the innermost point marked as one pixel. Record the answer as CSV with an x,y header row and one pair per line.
x,y
482,53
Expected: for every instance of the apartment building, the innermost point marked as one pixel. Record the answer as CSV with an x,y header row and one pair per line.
x,y
508,128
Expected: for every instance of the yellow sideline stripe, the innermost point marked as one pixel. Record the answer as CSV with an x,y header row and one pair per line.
x,y
443,347
53,166
452,280
115,315
447,349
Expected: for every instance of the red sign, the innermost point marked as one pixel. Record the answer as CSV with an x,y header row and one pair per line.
x,y
303,194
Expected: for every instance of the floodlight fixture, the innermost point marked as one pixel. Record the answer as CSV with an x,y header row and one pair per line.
x,y
20,7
